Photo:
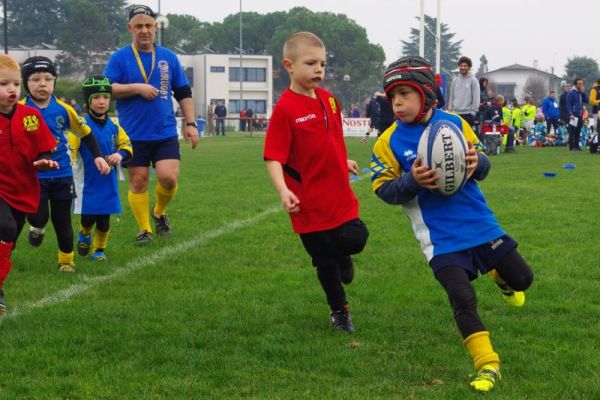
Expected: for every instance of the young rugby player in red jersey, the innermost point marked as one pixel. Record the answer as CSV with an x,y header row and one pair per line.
x,y
25,145
306,158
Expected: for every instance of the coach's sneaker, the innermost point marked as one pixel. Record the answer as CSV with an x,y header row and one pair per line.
x,y
487,377
36,236
163,228
341,320
143,238
347,270
2,305
83,244
66,267
512,297
99,255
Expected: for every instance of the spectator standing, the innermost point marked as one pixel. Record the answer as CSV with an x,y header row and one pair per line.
x,y
210,120
562,104
243,117
220,114
575,99
75,105
371,112
465,95
250,119
551,111
385,117
145,78
595,103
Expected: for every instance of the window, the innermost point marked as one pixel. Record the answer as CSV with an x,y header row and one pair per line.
x,y
258,106
250,74
217,69
189,74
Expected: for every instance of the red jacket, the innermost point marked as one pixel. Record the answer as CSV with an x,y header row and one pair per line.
x,y
23,137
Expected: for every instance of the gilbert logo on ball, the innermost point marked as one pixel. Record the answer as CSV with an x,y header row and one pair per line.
x,y
443,147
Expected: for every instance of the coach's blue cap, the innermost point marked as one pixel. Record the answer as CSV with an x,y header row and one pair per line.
x,y
141,10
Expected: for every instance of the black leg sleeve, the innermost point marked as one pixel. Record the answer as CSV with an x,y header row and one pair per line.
x,y
61,220
513,269
329,277
40,218
462,299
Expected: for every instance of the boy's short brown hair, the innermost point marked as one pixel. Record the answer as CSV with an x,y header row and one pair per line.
x,y
7,62
293,43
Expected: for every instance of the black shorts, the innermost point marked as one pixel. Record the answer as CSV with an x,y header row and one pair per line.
x,y
57,189
146,152
329,247
476,259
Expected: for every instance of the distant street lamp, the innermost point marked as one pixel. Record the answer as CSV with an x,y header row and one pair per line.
x,y
346,79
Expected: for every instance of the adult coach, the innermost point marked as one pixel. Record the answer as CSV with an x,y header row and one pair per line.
x,y
464,92
144,79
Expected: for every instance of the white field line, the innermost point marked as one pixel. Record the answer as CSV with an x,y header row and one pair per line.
x,y
139,263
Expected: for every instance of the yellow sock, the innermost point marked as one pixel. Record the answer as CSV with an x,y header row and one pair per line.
x,y
100,239
163,197
495,277
139,204
65,258
480,348
85,230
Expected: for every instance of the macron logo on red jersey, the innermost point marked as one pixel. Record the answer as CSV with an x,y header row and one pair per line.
x,y
306,118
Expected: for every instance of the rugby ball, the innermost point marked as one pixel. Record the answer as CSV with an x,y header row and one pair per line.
x,y
443,147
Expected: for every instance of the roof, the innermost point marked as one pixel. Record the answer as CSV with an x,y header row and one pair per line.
x,y
519,67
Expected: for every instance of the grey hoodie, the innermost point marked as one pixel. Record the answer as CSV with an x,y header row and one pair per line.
x,y
464,95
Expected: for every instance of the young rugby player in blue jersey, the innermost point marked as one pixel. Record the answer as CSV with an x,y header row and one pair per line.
x,y
39,76
145,78
307,161
459,234
98,195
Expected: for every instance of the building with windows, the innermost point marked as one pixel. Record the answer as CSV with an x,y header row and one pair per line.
x,y
515,81
216,77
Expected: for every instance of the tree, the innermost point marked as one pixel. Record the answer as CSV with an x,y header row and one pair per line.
x,y
483,66
31,22
348,49
535,87
585,68
84,39
450,51
186,33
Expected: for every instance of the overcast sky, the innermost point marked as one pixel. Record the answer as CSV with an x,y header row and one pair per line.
x,y
506,31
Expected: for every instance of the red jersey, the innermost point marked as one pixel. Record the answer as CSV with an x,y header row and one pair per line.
x,y
305,135
23,137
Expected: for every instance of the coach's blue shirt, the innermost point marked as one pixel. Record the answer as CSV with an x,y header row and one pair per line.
x,y
147,119
441,224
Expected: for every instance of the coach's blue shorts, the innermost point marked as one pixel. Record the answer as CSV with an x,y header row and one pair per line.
x,y
476,259
146,152
57,189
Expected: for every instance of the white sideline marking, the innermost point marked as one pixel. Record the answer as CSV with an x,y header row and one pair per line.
x,y
139,263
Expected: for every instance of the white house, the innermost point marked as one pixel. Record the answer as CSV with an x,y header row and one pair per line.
x,y
511,80
216,77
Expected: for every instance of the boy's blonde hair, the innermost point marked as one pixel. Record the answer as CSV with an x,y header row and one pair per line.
x,y
7,62
298,39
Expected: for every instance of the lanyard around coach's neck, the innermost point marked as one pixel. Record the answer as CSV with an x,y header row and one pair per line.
x,y
141,66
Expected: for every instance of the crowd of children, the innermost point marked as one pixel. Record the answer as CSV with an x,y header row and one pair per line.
x,y
38,183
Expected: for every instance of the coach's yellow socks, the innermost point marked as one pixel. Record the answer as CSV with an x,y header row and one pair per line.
x,y
480,348
100,239
163,197
139,204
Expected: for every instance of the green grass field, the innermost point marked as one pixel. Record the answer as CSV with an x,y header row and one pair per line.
x,y
229,307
